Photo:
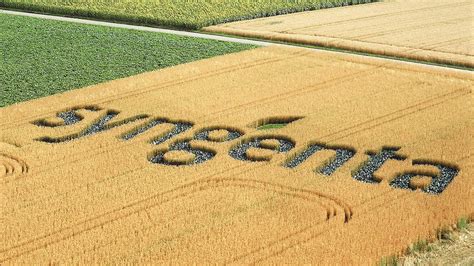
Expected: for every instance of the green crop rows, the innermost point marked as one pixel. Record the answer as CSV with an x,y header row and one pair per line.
x,y
42,57
193,14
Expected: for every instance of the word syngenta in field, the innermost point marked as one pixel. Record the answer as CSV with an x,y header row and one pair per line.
x,y
242,148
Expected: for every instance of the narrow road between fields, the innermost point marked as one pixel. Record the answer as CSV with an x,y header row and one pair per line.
x,y
212,37
135,27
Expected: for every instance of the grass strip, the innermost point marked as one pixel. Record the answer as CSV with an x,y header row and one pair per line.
x,y
43,57
271,126
178,13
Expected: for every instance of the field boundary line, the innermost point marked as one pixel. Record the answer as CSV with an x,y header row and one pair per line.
x,y
237,39
133,27
351,46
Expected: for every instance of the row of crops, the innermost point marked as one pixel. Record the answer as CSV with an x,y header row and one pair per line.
x,y
174,13
40,57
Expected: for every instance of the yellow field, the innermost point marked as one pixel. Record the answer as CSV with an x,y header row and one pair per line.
x,y
167,166
438,31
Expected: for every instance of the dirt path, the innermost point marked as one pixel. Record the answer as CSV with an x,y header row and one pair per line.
x,y
458,251
195,34
167,166
436,31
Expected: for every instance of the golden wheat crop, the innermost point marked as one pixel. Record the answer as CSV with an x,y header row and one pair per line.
x,y
433,31
168,166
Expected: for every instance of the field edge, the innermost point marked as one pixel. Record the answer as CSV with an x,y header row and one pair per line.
x,y
167,23
344,45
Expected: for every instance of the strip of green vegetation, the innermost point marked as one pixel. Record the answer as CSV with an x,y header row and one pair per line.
x,y
271,126
193,14
462,224
42,57
389,261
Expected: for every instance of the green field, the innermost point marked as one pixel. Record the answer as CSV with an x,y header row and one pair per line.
x,y
42,57
193,14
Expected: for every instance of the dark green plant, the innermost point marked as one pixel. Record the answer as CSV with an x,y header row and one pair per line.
x,y
462,224
271,126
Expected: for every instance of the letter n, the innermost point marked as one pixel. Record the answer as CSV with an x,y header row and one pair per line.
x,y
341,157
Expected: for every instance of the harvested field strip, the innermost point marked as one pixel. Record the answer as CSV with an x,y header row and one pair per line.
x,y
436,31
181,14
108,201
42,57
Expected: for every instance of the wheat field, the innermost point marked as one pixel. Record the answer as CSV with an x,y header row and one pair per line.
x,y
437,31
168,166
